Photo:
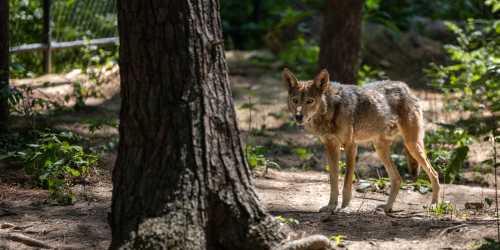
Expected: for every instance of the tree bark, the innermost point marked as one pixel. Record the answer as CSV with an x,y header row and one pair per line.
x,y
340,42
4,62
180,180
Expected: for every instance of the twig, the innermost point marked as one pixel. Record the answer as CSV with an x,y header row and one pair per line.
x,y
369,198
493,132
362,202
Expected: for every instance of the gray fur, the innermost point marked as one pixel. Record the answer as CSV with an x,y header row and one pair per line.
x,y
371,111
344,115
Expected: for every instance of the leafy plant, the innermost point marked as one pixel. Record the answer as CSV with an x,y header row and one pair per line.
x,y
471,80
338,239
256,158
286,220
98,123
96,63
447,150
55,160
380,183
303,153
367,74
442,208
490,244
374,13
301,55
488,201
23,101
342,167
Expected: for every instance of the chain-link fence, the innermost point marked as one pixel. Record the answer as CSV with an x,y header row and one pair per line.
x,y
51,25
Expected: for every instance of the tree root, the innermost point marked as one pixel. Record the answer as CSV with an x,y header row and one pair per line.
x,y
17,237
314,242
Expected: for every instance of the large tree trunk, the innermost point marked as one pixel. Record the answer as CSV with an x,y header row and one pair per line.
x,y
4,62
340,42
180,179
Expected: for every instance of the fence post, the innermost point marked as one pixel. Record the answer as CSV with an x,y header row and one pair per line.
x,y
46,37
4,64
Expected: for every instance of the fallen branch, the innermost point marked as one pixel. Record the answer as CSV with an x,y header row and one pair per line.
x,y
398,214
314,242
449,229
17,237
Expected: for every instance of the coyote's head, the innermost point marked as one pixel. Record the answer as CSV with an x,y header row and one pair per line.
x,y
305,98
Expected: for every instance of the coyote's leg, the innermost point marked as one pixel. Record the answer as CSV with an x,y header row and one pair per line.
x,y
412,128
333,155
383,148
412,164
351,151
417,150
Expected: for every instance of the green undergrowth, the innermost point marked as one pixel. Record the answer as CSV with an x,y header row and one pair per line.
x,y
54,159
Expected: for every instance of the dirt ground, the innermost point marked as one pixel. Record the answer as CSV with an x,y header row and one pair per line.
x,y
297,195
294,191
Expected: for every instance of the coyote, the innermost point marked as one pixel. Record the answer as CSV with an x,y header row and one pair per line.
x,y
343,115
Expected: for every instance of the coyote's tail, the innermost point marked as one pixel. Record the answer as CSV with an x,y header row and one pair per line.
x,y
412,113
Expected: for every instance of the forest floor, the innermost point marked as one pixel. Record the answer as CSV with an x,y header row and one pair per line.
x,y
290,195
295,191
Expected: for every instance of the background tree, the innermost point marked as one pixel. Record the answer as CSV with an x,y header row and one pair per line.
x,y
4,62
340,43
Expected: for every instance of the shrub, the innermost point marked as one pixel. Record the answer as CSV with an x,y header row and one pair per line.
x,y
256,158
301,55
447,151
55,161
471,80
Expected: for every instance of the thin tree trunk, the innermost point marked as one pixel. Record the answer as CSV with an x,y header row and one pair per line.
x,y
340,42
4,62
180,179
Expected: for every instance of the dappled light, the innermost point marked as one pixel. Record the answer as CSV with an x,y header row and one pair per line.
x,y
253,124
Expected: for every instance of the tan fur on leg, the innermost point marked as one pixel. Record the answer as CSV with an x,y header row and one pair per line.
x,y
383,150
351,152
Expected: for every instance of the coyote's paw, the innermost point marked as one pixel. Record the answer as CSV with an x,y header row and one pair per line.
x,y
385,208
330,208
434,201
345,204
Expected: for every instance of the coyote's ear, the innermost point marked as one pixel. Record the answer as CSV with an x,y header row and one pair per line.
x,y
290,79
322,80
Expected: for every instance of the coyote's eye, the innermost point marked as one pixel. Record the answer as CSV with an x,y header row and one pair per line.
x,y
309,101
295,100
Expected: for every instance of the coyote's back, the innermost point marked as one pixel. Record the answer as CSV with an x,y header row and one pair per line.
x,y
375,109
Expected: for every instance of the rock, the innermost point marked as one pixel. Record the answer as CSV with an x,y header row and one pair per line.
x,y
423,189
364,186
402,55
474,205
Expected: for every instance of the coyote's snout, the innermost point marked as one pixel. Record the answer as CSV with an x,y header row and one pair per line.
x,y
343,115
